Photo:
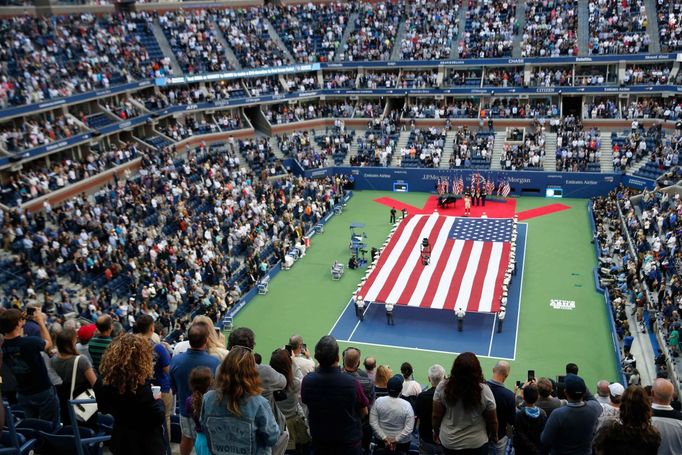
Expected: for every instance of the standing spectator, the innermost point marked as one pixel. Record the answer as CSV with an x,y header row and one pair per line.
x,y
579,416
667,420
216,340
335,418
370,365
392,418
611,410
632,432
351,365
546,401
100,342
384,373
290,403
145,328
301,355
181,367
85,334
603,392
200,381
235,417
126,394
411,388
505,404
22,354
464,416
64,363
424,412
529,421
270,381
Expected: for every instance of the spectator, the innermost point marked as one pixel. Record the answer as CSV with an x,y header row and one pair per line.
x,y
290,404
611,410
22,354
301,355
632,432
505,404
335,419
424,412
603,392
271,382
101,341
145,327
200,382
551,29
429,30
581,416
384,373
392,418
181,367
216,339
351,366
464,393
618,27
126,394
665,419
63,364
375,31
370,365
85,334
411,388
529,421
489,32
234,416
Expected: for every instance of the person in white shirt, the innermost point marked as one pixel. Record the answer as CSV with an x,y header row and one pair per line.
x,y
611,410
392,418
411,388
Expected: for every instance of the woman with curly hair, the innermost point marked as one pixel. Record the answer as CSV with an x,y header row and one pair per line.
x,y
126,393
464,416
235,417
632,432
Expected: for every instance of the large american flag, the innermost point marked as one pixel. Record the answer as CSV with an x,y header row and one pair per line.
x,y
468,261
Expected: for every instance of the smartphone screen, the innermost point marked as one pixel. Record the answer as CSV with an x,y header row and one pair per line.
x,y
531,375
519,384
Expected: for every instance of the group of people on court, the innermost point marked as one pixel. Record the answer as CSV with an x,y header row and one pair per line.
x,y
360,310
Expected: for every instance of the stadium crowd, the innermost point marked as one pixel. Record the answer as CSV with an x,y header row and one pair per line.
x,y
577,148
430,28
376,28
490,30
524,149
551,29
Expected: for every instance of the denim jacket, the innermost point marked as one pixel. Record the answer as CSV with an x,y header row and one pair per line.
x,y
252,433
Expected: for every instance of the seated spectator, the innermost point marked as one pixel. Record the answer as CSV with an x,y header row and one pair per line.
x,y
126,394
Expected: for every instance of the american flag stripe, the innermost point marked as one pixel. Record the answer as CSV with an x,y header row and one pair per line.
x,y
462,274
412,274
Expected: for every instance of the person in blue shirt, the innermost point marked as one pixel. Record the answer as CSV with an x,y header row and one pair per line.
x,y
181,367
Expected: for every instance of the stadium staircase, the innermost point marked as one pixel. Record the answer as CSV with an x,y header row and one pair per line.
x,y
352,152
350,28
402,143
606,160
521,20
165,48
549,163
396,54
229,53
278,40
448,149
652,26
635,168
500,138
583,26
454,52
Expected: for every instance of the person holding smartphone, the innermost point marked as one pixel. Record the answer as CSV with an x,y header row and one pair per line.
x,y
301,355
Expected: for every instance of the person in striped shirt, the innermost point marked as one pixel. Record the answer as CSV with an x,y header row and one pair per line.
x,y
101,341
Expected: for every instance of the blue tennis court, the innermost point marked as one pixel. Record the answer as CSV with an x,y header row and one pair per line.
x,y
436,330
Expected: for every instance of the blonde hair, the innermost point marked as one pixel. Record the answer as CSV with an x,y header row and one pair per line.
x,y
214,345
382,375
127,363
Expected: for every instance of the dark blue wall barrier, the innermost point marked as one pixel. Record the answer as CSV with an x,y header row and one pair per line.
x,y
523,183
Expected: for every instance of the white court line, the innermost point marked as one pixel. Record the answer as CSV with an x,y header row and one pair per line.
x,y
357,324
416,349
518,313
340,316
492,335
